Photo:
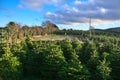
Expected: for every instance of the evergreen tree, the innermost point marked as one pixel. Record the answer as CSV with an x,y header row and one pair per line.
x,y
114,58
103,69
86,51
67,49
73,69
77,45
92,63
45,62
9,66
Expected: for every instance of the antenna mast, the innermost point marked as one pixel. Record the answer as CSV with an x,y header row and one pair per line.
x,y
90,27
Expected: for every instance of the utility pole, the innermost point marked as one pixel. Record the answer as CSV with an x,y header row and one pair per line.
x,y
90,28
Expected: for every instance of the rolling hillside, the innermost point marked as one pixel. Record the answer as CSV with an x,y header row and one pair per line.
x,y
116,29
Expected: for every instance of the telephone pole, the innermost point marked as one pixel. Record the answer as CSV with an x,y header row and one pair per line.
x,y
90,28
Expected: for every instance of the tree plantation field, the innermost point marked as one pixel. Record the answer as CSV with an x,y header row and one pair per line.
x,y
47,53
60,40
60,60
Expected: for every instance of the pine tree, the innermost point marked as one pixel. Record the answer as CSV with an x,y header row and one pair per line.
x,y
73,69
67,49
114,58
45,61
9,66
86,51
92,63
103,69
77,45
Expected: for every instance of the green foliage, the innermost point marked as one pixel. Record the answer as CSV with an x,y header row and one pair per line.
x,y
114,59
103,69
86,51
45,61
77,45
9,66
93,62
61,60
73,71
68,50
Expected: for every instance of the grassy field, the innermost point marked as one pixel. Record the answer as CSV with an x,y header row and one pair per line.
x,y
52,37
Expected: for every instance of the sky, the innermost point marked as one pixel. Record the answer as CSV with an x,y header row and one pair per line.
x,y
67,14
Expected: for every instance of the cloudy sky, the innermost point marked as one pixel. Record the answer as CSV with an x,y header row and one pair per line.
x,y
65,13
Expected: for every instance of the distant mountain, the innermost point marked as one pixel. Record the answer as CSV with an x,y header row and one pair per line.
x,y
116,29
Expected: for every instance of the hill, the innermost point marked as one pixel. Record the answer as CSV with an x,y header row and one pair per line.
x,y
116,29
109,30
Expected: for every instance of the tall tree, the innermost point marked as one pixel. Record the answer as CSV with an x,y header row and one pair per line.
x,y
49,26
26,30
12,29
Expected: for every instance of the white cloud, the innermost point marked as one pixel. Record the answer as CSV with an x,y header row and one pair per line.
x,y
38,4
49,13
103,10
75,9
33,4
79,11
77,2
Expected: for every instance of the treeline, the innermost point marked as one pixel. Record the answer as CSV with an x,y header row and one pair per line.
x,y
13,31
95,36
60,60
86,33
